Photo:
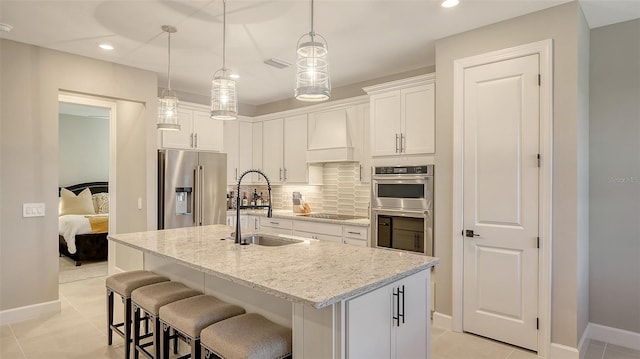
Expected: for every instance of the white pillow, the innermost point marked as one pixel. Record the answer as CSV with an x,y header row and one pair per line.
x,y
72,204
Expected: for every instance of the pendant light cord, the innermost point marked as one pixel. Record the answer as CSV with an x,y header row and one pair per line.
x,y
224,35
169,66
312,33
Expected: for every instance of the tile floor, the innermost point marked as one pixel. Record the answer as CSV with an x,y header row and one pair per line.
x,y
79,332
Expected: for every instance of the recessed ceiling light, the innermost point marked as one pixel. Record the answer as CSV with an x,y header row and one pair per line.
x,y
5,27
234,76
449,3
106,47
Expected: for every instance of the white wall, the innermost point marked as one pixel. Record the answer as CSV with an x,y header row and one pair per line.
x,y
31,80
614,273
562,24
84,149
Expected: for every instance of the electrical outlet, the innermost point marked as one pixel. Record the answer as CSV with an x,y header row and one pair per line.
x,y
33,210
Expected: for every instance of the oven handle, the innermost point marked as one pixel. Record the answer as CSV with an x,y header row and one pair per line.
x,y
399,177
399,211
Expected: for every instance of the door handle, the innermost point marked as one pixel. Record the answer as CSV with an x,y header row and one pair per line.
x,y
401,315
396,298
396,143
402,147
469,233
195,140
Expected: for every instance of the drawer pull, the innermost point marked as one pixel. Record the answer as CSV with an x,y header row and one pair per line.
x,y
358,233
275,223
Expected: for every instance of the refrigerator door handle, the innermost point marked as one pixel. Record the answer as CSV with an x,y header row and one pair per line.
x,y
201,196
196,196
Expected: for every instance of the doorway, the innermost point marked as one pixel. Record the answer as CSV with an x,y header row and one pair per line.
x,y
87,160
502,195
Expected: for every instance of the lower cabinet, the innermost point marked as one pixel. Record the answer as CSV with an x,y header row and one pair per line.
x,y
320,231
276,225
390,322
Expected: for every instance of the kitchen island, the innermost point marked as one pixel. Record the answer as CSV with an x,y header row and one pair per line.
x,y
354,302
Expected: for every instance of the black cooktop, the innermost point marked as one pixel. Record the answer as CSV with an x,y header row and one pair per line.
x,y
341,217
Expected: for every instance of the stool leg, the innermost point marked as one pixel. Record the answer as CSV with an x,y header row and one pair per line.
x,y
195,348
109,316
136,330
165,341
127,327
176,343
157,338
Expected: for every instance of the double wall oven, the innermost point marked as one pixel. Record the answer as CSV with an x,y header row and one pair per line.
x,y
402,208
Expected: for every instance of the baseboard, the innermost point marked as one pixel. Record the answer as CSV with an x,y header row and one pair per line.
x,y
559,351
614,336
583,344
442,321
20,314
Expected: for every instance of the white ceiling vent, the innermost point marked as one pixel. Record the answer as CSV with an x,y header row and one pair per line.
x,y
277,63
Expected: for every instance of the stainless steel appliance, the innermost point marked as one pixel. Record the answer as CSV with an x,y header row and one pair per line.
x,y
192,188
402,208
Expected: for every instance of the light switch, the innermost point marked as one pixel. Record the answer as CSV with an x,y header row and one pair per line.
x,y
33,210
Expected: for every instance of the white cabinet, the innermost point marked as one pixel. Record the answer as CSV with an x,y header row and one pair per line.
x,y
320,231
256,158
253,222
362,142
356,236
390,322
197,131
284,146
403,117
244,221
238,145
276,225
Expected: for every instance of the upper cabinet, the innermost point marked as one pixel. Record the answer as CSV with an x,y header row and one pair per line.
x,y
238,145
284,149
197,130
402,117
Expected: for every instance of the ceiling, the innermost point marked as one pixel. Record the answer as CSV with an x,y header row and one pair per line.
x,y
367,39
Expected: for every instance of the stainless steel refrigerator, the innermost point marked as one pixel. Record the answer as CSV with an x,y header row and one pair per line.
x,y
192,188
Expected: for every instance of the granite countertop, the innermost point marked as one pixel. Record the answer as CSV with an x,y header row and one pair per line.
x,y
316,273
283,213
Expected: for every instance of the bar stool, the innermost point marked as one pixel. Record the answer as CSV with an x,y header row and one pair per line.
x,y
123,284
149,299
187,317
247,336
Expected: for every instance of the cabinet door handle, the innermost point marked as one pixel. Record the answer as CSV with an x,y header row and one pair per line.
x,y
401,143
360,174
276,223
255,223
396,298
401,315
195,140
285,174
280,173
358,233
191,143
396,143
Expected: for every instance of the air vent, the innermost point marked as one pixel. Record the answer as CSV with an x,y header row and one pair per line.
x,y
277,63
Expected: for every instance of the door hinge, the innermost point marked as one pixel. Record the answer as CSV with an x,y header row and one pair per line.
x,y
538,242
539,159
537,323
539,80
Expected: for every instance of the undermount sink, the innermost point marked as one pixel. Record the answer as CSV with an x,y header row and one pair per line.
x,y
265,240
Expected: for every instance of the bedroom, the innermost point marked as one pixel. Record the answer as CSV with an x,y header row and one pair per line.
x,y
84,191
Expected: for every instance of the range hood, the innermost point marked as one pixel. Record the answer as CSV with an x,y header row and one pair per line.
x,y
330,137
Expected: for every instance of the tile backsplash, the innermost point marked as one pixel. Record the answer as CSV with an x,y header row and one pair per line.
x,y
341,192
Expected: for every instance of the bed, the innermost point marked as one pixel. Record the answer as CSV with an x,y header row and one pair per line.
x,y
76,236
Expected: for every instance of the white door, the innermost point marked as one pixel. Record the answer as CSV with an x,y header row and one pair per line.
x,y
232,148
295,149
207,131
385,124
501,143
418,119
273,150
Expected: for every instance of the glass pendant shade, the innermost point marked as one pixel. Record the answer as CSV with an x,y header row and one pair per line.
x,y
168,102
168,111
312,69
224,105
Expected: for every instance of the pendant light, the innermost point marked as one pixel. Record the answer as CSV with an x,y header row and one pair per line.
x,y
312,67
224,105
168,102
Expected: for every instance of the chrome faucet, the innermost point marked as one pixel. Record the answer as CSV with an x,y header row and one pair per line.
x,y
269,210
